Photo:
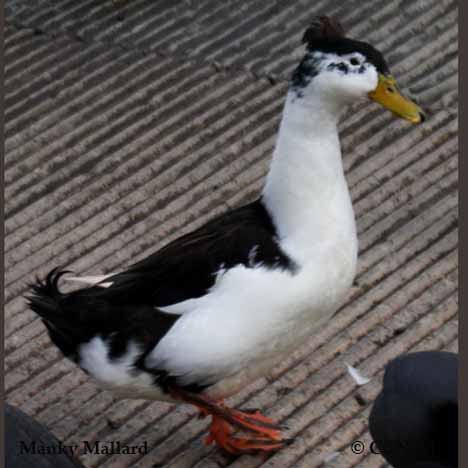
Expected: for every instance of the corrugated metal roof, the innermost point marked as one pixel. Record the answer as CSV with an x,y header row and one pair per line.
x,y
130,123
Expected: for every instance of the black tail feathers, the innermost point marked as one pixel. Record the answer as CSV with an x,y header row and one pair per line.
x,y
75,317
46,295
46,301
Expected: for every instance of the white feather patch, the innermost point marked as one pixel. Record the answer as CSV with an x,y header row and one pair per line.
x,y
120,374
91,280
357,376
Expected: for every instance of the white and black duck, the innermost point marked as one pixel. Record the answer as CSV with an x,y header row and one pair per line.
x,y
218,308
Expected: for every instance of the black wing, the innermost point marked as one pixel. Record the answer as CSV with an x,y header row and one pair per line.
x,y
186,268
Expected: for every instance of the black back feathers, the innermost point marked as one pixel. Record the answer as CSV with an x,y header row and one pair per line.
x,y
187,268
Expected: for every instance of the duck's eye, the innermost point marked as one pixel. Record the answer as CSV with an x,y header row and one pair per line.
x,y
390,90
355,61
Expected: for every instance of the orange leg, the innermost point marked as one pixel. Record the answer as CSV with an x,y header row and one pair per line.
x,y
262,434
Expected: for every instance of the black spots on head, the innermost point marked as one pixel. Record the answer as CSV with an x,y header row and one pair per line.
x,y
304,73
341,66
300,79
347,46
326,34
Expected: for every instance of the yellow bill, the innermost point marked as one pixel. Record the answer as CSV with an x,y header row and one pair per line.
x,y
387,95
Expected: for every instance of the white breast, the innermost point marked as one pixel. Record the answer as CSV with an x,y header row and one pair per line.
x,y
253,317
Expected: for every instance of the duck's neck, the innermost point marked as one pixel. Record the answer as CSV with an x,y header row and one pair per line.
x,y
306,191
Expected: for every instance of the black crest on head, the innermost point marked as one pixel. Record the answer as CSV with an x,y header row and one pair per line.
x,y
323,27
326,34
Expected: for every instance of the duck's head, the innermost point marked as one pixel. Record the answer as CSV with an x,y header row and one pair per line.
x,y
342,70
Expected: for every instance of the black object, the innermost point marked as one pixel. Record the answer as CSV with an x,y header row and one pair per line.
x,y
25,438
414,420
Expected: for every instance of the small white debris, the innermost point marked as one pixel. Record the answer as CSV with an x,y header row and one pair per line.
x,y
357,376
330,457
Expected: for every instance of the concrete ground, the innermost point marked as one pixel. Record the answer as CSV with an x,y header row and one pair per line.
x,y
132,122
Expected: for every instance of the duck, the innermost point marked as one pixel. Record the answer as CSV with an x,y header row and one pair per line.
x,y
414,419
220,307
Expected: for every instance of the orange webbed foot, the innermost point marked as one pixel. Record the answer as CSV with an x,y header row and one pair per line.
x,y
221,434
261,434
256,423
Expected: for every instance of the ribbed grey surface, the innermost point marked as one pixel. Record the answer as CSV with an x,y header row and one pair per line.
x,y
130,123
